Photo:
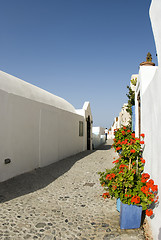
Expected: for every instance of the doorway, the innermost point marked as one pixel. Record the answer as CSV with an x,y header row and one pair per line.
x,y
88,133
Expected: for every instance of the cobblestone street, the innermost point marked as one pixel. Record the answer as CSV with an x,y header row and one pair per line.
x,y
63,201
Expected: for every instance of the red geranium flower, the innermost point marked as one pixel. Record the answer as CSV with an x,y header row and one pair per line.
x,y
137,139
143,161
110,176
116,161
150,183
123,132
135,199
106,195
144,189
145,177
132,150
122,166
133,135
141,142
149,212
142,135
154,188
118,148
114,187
128,131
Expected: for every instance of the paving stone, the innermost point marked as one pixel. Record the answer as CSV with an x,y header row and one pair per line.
x,y
63,201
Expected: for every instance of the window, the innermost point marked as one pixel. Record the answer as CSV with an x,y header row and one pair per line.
x,y
80,128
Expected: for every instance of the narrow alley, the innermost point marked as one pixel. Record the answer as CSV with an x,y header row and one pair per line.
x,y
63,201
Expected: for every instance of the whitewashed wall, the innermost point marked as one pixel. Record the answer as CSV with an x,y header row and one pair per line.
x,y
85,112
98,136
124,116
36,127
110,135
149,85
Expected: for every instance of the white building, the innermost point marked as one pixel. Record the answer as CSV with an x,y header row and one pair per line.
x,y
98,136
124,116
38,128
148,113
121,120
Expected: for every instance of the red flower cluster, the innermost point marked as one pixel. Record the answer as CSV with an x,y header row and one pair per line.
x,y
142,135
141,142
145,190
122,166
106,195
133,135
132,150
123,132
150,183
135,199
142,160
154,188
149,212
126,195
114,187
125,141
110,176
116,161
118,148
145,177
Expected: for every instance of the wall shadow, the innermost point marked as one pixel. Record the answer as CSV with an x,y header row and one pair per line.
x,y
159,236
41,177
105,146
38,178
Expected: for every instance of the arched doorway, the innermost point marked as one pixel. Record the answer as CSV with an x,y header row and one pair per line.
x,y
88,133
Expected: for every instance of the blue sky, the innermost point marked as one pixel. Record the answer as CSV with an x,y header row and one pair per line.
x,y
80,50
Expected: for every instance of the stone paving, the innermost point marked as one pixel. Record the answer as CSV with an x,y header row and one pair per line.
x,y
63,201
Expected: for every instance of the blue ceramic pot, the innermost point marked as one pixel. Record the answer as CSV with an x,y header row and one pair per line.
x,y
118,202
130,216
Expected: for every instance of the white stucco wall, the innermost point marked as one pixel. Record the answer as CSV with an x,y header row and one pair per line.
x,y
86,112
124,116
36,128
149,85
98,136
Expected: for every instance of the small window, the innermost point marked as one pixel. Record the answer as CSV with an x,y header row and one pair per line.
x,y
80,128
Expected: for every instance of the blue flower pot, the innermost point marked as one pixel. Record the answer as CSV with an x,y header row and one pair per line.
x,y
118,202
130,216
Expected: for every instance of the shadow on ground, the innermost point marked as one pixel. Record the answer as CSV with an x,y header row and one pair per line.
x,y
104,147
40,177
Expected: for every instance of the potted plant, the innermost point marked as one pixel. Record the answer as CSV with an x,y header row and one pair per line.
x,y
127,181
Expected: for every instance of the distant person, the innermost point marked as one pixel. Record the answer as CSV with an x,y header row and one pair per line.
x,y
106,132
